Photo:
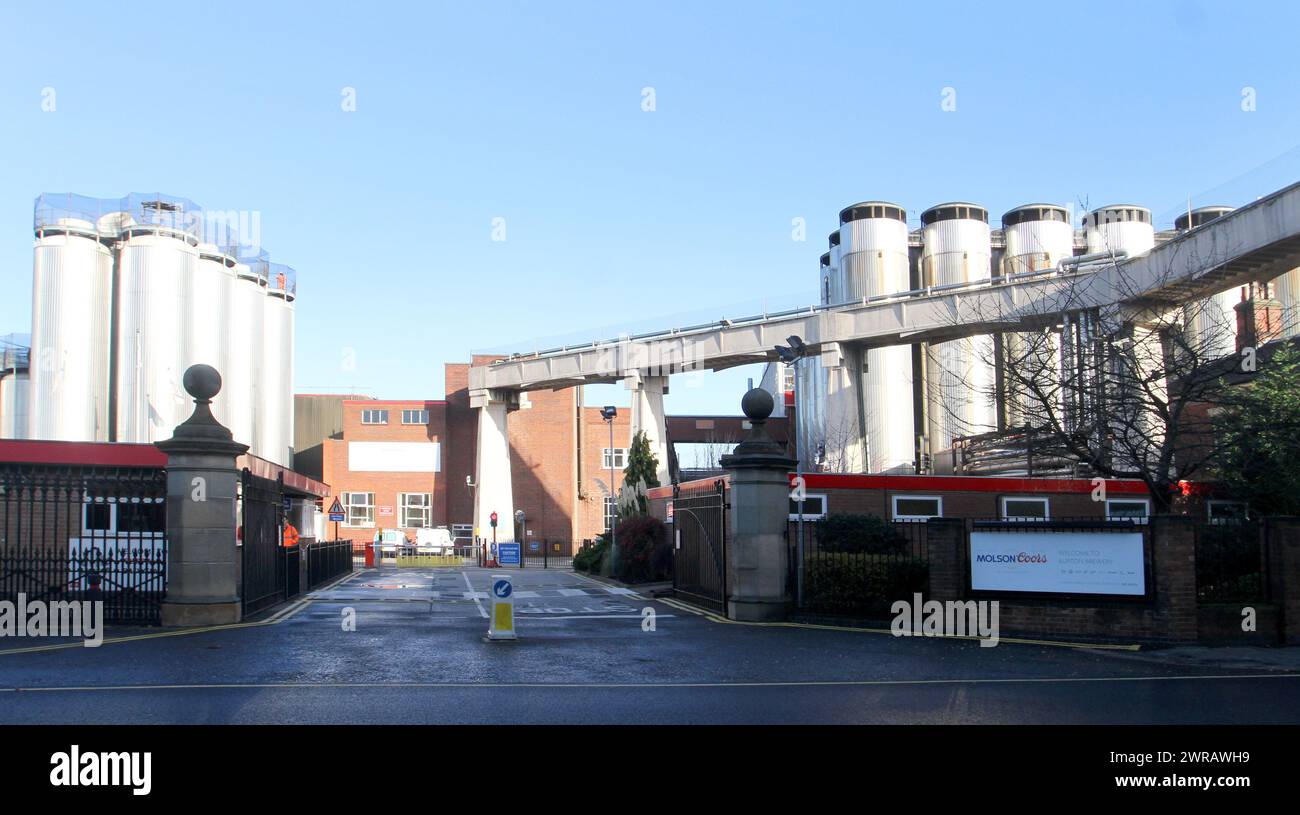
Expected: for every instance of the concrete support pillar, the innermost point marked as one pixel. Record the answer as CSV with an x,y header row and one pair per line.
x,y
493,491
648,416
845,451
202,559
1283,540
759,511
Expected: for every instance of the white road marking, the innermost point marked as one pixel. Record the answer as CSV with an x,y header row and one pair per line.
x,y
543,615
527,595
573,592
475,595
619,590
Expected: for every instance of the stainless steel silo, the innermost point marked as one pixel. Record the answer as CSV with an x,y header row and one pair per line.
x,y
1211,323
68,393
961,373
1119,228
276,402
207,323
243,383
156,271
874,262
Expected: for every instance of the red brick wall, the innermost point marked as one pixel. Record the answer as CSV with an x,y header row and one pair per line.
x,y
386,486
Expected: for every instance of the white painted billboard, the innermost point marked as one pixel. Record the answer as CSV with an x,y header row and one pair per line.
x,y
394,456
1060,562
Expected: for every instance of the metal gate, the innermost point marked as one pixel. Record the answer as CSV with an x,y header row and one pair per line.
x,y
699,545
264,579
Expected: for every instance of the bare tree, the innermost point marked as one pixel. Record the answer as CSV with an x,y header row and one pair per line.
x,y
1128,388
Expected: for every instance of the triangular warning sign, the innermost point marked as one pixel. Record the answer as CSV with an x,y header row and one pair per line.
x,y
336,507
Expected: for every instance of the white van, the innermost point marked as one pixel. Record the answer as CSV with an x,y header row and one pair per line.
x,y
436,541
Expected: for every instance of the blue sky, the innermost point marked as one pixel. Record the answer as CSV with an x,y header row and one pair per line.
x,y
615,216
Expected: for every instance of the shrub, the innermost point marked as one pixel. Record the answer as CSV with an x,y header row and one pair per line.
x,y
859,534
644,554
589,558
863,584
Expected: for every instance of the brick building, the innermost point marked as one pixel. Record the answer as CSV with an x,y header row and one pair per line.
x,y
402,464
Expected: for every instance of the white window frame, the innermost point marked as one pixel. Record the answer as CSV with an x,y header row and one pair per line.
x,y
619,453
348,505
112,504
811,516
367,413
1209,510
894,513
1047,508
425,509
421,414
611,512
1146,502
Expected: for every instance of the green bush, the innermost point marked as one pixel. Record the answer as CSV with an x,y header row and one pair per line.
x,y
865,534
862,583
589,558
644,554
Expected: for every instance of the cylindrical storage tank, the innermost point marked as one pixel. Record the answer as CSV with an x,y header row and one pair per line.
x,y
824,276
837,277
156,270
72,286
1119,228
874,261
207,322
810,412
242,382
1038,237
14,382
961,373
277,374
1286,290
1211,323
873,250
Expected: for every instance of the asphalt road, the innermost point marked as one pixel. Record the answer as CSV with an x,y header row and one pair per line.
x,y
418,656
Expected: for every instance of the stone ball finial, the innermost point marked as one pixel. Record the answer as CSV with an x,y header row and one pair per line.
x,y
202,382
757,404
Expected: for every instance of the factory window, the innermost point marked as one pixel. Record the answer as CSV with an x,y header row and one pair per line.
x,y
814,507
618,461
360,508
1122,509
1223,512
787,383
125,516
415,417
917,507
417,509
1025,509
374,417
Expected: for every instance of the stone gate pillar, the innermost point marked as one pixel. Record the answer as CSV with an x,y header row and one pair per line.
x,y
757,553
202,559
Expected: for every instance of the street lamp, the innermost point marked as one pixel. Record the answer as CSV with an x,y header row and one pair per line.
x,y
608,413
789,355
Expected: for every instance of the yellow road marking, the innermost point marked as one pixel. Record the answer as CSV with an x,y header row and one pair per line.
x,y
275,619
709,615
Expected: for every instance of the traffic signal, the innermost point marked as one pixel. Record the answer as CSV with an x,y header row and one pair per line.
x,y
494,520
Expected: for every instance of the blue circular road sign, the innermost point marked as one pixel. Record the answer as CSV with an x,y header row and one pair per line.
x,y
502,588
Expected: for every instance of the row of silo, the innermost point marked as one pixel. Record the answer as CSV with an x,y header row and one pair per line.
x,y
869,256
128,294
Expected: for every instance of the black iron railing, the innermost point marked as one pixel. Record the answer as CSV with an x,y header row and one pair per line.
x,y
1231,562
85,533
327,560
858,567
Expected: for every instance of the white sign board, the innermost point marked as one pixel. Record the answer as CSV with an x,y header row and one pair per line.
x,y
394,456
1060,562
